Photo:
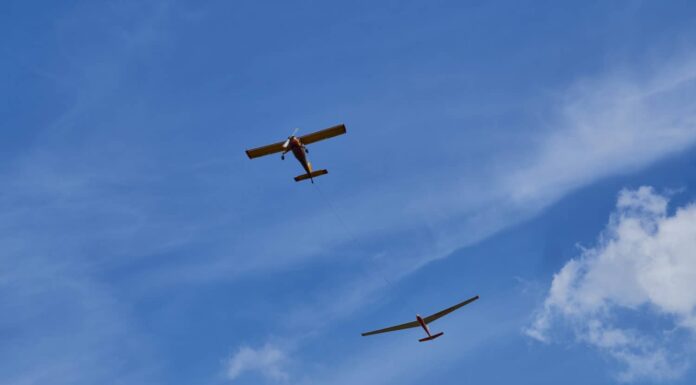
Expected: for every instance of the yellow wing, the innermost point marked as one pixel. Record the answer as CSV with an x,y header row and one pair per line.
x,y
323,134
265,150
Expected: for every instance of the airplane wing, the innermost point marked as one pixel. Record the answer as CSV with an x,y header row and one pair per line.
x,y
407,325
323,134
265,150
443,313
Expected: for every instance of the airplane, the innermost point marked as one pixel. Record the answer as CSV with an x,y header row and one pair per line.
x,y
298,147
423,322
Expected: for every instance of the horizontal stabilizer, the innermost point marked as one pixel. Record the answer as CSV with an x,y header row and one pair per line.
x,y
428,338
314,174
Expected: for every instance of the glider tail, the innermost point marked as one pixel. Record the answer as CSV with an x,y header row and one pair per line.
x,y
311,175
432,337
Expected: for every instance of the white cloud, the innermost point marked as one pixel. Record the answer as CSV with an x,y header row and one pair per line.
x,y
269,360
643,266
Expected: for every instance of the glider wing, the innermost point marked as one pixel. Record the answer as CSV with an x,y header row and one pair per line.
x,y
408,325
323,134
265,150
443,313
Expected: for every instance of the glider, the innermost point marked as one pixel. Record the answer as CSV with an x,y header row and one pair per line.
x,y
298,147
423,322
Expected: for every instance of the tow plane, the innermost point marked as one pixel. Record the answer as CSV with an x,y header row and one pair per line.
x,y
298,146
423,322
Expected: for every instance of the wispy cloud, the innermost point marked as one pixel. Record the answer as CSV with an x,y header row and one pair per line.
x,y
62,324
91,193
63,327
643,265
268,360
612,124
609,125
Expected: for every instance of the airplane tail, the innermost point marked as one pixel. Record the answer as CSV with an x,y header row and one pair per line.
x,y
432,337
311,175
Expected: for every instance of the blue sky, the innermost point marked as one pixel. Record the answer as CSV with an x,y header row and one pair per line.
x,y
538,154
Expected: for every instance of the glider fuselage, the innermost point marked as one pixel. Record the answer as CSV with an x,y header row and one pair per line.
x,y
422,324
427,330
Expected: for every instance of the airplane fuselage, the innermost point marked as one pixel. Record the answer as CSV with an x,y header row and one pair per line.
x,y
298,150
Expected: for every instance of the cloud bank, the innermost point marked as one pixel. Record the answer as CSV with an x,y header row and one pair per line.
x,y
633,295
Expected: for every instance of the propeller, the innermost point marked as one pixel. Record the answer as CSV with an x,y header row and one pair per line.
x,y
287,142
